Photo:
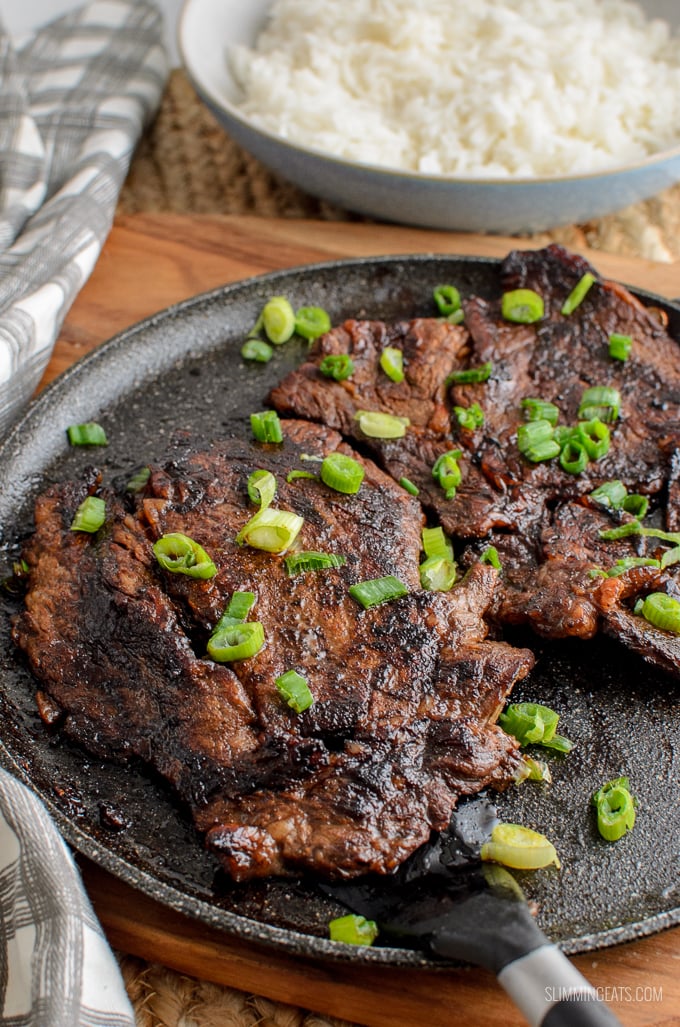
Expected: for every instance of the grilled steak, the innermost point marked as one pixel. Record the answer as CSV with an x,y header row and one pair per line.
x,y
537,515
406,693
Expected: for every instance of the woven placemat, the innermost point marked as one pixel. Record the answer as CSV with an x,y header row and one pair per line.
x,y
186,164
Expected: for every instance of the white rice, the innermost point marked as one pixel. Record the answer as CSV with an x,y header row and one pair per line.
x,y
471,88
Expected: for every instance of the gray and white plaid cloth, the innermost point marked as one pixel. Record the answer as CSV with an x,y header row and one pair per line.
x,y
74,99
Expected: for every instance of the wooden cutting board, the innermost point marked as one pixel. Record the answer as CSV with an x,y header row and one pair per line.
x,y
152,261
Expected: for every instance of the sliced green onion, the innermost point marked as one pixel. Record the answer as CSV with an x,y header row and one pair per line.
x,y
408,485
311,322
292,687
447,299
622,531
519,847
392,363
88,434
620,346
353,930
610,494
342,473
540,410
261,488
310,560
532,433
266,426
138,480
294,475
311,458
573,457
615,809
533,724
490,556
90,515
547,449
273,531
377,425
179,554
670,558
438,574
636,505
236,641
595,437
257,350
240,605
435,543
578,294
470,418
338,366
662,611
278,320
447,473
601,402
522,306
538,770
626,564
471,376
378,590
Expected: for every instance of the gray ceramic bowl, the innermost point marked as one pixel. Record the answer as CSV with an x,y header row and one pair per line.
x,y
208,27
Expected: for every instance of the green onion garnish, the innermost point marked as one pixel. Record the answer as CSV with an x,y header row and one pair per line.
x,y
615,809
238,608
377,591
447,299
447,473
533,724
522,306
353,930
294,475
490,556
578,294
610,494
620,346
621,566
601,402
236,641
533,432
519,847
342,473
266,426
138,480
435,543
179,554
257,350
377,425
299,563
662,611
636,505
546,449
337,366
392,363
438,574
540,410
595,437
635,528
88,434
292,687
670,558
471,376
408,485
261,488
573,457
538,770
273,531
311,322
90,515
470,418
278,320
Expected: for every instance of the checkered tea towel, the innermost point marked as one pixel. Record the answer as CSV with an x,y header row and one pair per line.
x,y
74,99
56,968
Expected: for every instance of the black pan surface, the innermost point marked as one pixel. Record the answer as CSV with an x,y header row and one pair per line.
x,y
181,369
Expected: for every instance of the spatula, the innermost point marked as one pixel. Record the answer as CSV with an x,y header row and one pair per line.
x,y
445,900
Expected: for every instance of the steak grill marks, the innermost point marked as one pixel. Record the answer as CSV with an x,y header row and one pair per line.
x,y
406,694
539,517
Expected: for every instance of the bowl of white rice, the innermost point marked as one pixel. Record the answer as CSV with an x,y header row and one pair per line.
x,y
504,116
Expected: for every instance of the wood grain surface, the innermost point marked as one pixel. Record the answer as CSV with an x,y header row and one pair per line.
x,y
152,261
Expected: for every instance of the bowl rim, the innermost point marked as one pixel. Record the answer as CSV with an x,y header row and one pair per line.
x,y
204,88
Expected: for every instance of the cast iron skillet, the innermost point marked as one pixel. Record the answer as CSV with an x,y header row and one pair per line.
x,y
181,369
